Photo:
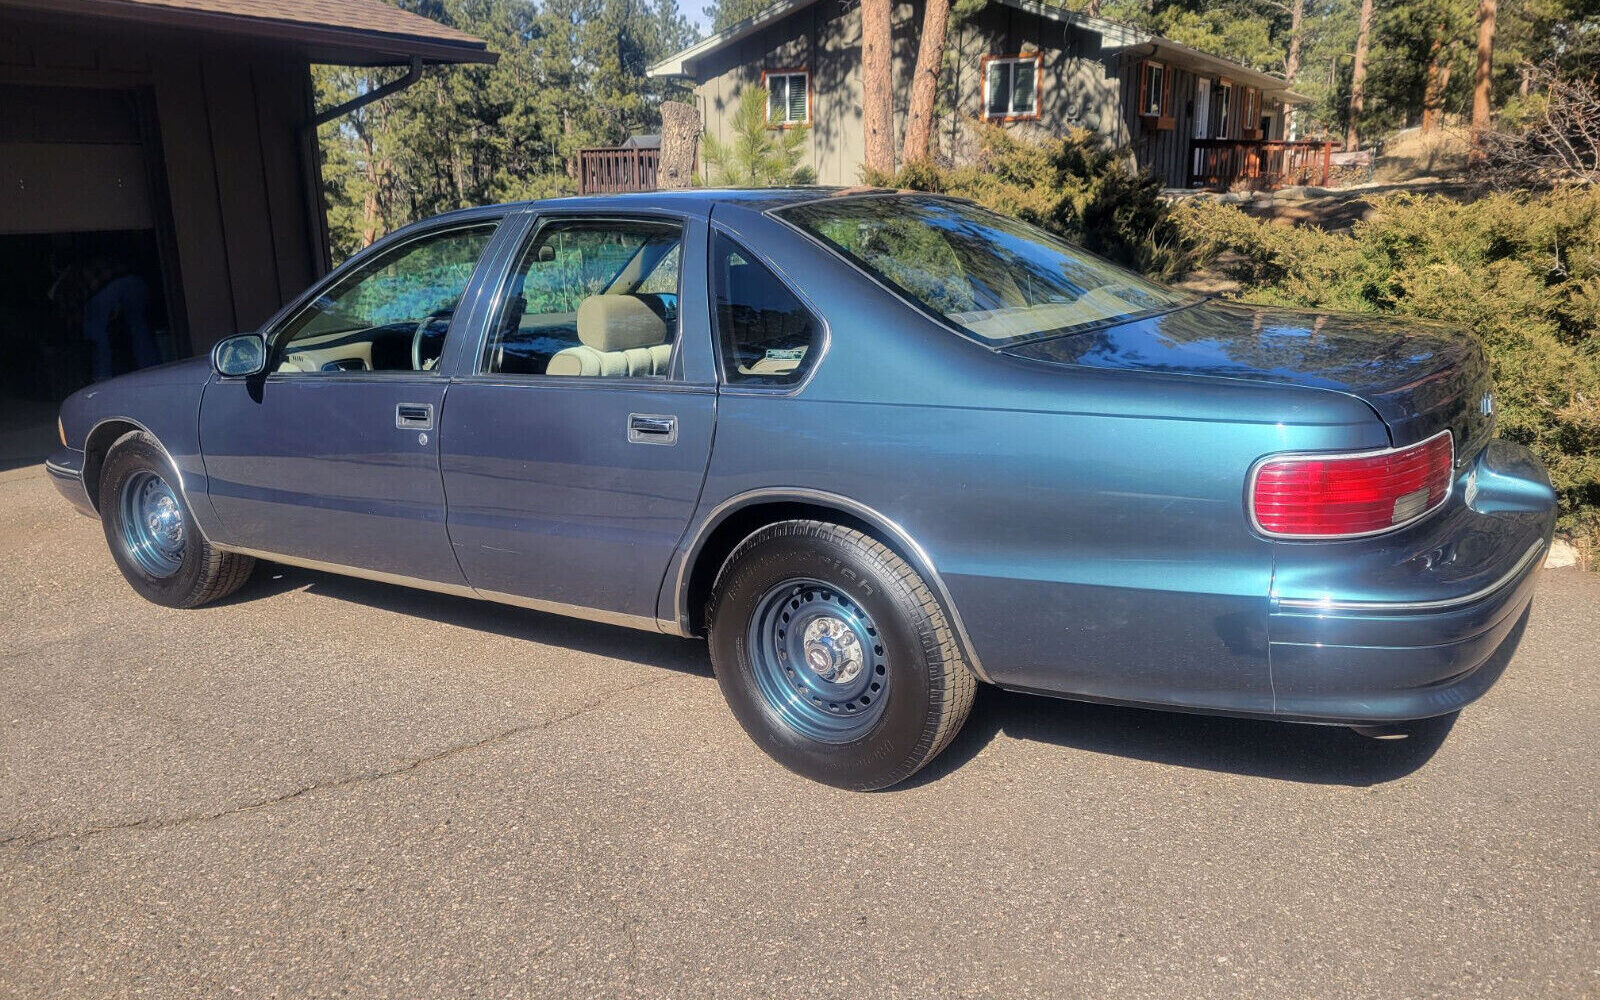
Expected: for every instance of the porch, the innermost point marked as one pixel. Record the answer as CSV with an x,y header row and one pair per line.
x,y
1258,164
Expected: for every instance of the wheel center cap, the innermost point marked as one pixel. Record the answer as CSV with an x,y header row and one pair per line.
x,y
832,650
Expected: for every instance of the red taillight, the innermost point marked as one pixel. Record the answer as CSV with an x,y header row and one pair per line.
x,y
1332,496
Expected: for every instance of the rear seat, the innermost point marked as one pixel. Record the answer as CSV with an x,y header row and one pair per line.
x,y
620,337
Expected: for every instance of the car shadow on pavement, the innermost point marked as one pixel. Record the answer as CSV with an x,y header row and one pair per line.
x,y
1329,755
648,648
1280,750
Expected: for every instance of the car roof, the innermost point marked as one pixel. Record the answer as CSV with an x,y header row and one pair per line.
x,y
698,201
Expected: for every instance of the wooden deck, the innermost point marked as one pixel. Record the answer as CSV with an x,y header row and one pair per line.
x,y
617,169
1257,164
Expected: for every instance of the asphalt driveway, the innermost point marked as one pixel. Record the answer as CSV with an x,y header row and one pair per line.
x,y
326,787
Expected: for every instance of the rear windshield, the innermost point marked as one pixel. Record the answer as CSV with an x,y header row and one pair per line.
x,y
1000,280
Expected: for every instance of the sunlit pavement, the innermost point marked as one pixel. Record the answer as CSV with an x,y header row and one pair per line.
x,y
329,787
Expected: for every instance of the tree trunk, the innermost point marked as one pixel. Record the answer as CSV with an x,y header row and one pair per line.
x,y
1438,78
1093,9
1480,84
877,85
1291,64
1358,77
925,80
680,137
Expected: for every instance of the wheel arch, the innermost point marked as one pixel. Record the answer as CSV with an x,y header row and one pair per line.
x,y
737,518
97,445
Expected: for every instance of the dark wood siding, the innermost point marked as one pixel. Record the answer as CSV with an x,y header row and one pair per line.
x,y
226,134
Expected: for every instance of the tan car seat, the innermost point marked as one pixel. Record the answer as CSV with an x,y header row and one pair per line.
x,y
620,337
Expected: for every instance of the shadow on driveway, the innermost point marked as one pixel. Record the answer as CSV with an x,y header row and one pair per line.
x,y
1279,750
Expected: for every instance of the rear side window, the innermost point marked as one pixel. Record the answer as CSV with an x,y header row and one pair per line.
x,y
767,336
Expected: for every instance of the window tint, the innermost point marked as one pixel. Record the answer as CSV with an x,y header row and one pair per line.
x,y
1001,280
591,297
390,314
767,336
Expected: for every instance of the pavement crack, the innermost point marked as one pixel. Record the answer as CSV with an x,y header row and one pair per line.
x,y
25,841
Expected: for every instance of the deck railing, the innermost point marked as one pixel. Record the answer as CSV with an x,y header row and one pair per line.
x,y
1258,164
615,169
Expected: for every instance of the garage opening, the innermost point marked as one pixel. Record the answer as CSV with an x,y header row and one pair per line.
x,y
84,287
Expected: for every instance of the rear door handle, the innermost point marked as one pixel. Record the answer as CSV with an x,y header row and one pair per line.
x,y
414,416
652,428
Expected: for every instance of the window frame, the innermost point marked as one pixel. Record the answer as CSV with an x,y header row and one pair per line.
x,y
1164,100
478,365
1224,96
273,330
1037,58
824,331
789,71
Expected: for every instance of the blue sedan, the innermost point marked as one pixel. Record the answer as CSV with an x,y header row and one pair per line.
x,y
876,447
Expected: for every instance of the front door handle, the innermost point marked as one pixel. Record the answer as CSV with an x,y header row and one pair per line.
x,y
414,416
652,428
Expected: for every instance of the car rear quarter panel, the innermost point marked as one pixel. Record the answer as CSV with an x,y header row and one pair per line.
x,y
1089,525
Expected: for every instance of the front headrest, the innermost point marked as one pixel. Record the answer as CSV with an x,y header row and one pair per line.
x,y
618,323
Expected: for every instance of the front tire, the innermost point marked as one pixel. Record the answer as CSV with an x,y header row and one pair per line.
x,y
835,656
152,533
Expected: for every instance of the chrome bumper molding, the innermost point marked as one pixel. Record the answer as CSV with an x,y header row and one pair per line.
x,y
1327,604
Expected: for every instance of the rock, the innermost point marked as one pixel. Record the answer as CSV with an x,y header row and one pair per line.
x,y
1562,554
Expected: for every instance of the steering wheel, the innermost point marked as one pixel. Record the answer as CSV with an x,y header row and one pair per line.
x,y
423,326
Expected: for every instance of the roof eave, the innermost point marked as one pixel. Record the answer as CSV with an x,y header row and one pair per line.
x,y
319,42
681,64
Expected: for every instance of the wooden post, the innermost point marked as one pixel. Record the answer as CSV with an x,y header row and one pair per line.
x,y
1327,161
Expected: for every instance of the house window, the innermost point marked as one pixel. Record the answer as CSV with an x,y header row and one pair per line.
x,y
1224,109
1153,90
1011,87
1250,120
788,96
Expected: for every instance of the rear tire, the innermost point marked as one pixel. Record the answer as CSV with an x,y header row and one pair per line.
x,y
835,656
152,534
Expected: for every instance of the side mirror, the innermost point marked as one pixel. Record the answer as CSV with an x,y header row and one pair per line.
x,y
240,356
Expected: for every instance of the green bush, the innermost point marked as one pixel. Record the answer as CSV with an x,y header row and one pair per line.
x,y
1078,186
757,155
1521,271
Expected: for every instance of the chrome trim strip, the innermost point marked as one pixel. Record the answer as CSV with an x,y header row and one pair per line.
x,y
919,555
1289,456
1321,604
641,622
62,472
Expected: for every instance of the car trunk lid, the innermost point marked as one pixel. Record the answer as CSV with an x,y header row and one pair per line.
x,y
1418,377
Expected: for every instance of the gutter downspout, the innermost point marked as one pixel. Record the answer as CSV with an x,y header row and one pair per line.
x,y
317,205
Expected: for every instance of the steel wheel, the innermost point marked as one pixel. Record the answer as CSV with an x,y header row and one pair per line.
x,y
152,524
819,661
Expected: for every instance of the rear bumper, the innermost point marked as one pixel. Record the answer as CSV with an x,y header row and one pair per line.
x,y
65,469
1423,622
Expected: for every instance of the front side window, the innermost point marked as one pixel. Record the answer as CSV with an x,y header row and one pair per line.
x,y
788,96
1011,87
591,297
389,314
999,280
765,335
